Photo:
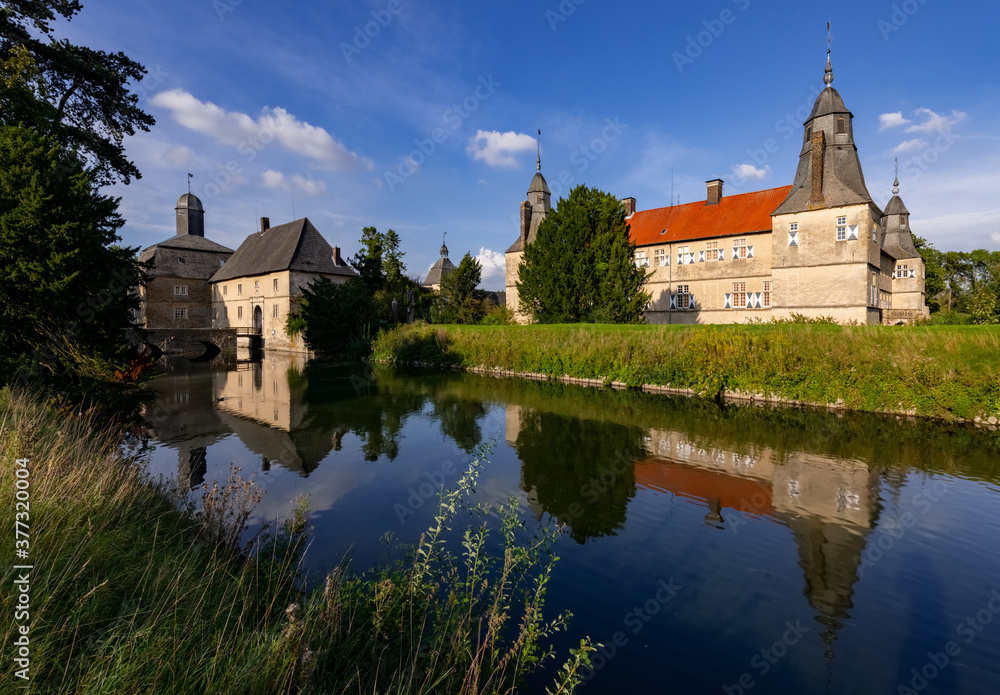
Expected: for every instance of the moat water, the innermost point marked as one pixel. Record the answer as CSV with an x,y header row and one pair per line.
x,y
710,549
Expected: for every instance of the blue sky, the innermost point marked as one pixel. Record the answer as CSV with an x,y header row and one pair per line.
x,y
421,115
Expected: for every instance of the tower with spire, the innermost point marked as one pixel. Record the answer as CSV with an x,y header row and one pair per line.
x,y
826,249
908,272
441,269
533,210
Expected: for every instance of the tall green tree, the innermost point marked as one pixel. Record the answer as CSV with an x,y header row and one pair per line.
x,y
78,95
459,301
581,266
66,285
339,319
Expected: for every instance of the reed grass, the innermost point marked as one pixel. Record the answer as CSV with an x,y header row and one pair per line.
x,y
130,593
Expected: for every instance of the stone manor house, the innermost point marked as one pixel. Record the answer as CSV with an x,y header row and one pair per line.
x,y
202,291
819,247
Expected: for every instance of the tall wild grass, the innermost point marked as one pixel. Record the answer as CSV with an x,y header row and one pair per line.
x,y
130,594
940,371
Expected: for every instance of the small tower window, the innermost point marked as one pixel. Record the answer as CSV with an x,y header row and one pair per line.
x,y
809,133
841,125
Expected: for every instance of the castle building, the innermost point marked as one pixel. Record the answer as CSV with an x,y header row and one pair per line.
x,y
260,285
441,269
820,247
533,210
177,295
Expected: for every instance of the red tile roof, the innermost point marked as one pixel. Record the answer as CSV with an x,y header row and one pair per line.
x,y
735,214
733,492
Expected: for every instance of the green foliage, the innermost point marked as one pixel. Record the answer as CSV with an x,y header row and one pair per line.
x,y
66,288
459,301
960,284
74,93
129,578
947,372
581,266
339,319
498,316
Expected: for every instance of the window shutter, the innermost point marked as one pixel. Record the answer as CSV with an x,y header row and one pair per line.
x,y
756,300
852,232
913,273
701,256
691,299
722,254
749,300
673,301
793,238
729,301
749,251
680,259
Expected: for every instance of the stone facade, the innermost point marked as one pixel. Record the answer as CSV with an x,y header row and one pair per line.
x,y
177,295
820,247
263,281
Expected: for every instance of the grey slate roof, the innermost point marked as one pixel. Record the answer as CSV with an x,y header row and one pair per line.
x,y
295,245
186,256
538,184
897,240
843,182
189,201
439,271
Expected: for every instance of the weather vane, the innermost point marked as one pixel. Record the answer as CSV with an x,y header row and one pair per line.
x,y
190,176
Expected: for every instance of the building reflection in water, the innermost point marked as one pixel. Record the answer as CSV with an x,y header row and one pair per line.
x,y
183,418
830,504
264,403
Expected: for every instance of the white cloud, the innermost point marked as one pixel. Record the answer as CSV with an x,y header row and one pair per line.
x,y
309,186
494,266
497,149
748,171
246,133
891,120
273,179
911,146
995,238
935,122
178,156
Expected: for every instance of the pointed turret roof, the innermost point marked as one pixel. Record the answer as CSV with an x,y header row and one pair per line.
x,y
897,238
828,148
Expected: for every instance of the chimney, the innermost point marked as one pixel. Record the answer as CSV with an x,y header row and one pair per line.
x,y
816,197
265,224
336,256
714,191
629,204
525,220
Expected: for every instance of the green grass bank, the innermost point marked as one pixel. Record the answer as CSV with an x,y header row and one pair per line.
x,y
949,372
129,595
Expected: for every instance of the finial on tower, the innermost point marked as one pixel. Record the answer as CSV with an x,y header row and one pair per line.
x,y
538,143
190,176
828,77
444,247
895,184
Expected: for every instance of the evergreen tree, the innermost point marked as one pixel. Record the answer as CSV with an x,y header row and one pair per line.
x,y
459,301
66,287
339,319
76,94
581,266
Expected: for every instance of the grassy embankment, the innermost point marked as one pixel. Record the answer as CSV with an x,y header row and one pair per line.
x,y
129,595
950,372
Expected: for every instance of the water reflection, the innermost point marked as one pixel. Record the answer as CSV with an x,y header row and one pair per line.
x,y
820,482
